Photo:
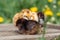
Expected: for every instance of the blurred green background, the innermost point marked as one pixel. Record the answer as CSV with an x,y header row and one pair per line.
x,y
8,8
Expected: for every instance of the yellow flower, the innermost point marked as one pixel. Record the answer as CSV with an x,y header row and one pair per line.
x,y
48,13
50,0
1,19
58,14
34,9
58,2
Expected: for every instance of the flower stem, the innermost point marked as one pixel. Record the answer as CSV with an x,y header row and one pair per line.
x,y
44,29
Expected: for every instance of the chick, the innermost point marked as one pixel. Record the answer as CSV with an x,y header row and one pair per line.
x,y
27,22
41,18
34,16
26,13
30,27
15,18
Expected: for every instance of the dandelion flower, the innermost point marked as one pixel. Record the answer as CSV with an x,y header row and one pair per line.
x,y
48,13
58,2
58,14
1,19
34,9
50,1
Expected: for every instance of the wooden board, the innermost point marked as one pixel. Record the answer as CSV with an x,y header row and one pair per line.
x,y
9,32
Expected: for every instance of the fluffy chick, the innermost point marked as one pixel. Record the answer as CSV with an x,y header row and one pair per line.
x,y
28,26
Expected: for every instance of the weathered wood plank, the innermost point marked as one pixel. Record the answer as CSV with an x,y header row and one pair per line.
x,y
54,26
8,31
28,36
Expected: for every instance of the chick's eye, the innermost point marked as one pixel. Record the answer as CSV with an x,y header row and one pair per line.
x,y
27,11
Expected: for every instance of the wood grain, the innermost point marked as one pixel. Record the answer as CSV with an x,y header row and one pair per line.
x,y
9,32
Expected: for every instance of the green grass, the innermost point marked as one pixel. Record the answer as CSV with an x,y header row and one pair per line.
x,y
8,8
